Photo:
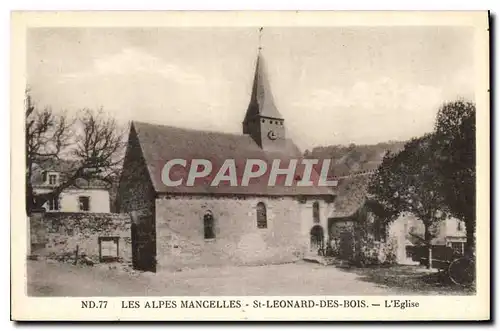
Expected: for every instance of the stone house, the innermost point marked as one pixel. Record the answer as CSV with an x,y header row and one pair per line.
x,y
78,221
86,196
409,232
356,233
188,226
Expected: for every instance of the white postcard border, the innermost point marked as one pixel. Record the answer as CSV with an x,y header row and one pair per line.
x,y
475,307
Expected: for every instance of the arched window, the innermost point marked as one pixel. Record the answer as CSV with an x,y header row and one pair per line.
x,y
208,225
316,212
261,216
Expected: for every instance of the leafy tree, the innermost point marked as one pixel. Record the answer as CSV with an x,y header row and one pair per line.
x,y
91,142
406,182
455,143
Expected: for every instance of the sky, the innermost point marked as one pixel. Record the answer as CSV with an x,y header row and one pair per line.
x,y
333,85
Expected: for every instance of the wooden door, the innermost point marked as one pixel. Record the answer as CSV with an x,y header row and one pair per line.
x,y
144,244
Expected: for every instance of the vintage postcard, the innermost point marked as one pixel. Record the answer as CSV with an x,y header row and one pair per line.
x,y
250,166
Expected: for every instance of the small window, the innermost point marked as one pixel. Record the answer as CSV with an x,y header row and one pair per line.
x,y
459,226
208,225
261,216
52,179
458,247
409,252
108,249
53,204
316,212
84,203
263,121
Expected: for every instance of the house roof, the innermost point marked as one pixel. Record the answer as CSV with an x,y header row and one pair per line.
x,y
160,143
58,165
351,195
65,168
414,241
347,160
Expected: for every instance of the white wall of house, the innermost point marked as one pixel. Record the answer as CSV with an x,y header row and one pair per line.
x,y
454,228
456,234
397,231
450,231
70,200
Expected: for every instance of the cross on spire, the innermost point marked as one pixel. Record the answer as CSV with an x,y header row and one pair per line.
x,y
261,99
260,38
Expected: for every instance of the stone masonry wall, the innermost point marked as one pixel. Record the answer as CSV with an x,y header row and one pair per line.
x,y
65,231
238,240
136,197
135,191
354,240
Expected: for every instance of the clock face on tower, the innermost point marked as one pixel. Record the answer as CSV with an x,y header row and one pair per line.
x,y
272,135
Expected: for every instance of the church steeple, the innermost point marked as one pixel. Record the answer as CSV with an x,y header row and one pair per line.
x,y
263,121
262,98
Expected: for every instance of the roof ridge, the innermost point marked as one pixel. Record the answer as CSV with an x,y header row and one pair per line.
x,y
159,142
355,174
191,129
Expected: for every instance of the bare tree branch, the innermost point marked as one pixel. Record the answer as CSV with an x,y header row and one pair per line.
x,y
93,144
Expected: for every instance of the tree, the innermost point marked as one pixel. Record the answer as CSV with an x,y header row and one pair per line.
x,y
455,141
92,143
406,182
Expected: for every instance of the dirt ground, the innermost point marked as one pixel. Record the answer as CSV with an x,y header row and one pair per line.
x,y
301,278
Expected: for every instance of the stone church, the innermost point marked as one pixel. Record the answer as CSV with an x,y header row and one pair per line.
x,y
202,225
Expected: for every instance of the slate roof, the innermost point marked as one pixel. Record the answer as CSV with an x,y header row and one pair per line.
x,y
414,240
351,195
160,143
65,168
261,100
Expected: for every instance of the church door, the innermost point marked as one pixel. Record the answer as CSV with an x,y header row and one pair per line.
x,y
317,238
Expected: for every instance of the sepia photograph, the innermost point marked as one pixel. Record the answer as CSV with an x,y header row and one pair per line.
x,y
253,160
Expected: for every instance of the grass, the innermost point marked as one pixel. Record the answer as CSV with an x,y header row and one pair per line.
x,y
412,279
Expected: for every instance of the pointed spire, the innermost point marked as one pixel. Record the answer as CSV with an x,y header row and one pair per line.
x,y
262,91
261,101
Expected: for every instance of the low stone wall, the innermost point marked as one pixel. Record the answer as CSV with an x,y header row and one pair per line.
x,y
353,240
371,252
64,232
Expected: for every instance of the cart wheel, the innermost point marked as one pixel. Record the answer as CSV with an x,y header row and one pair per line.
x,y
462,271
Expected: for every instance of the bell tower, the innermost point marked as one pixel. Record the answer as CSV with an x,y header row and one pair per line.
x,y
262,121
